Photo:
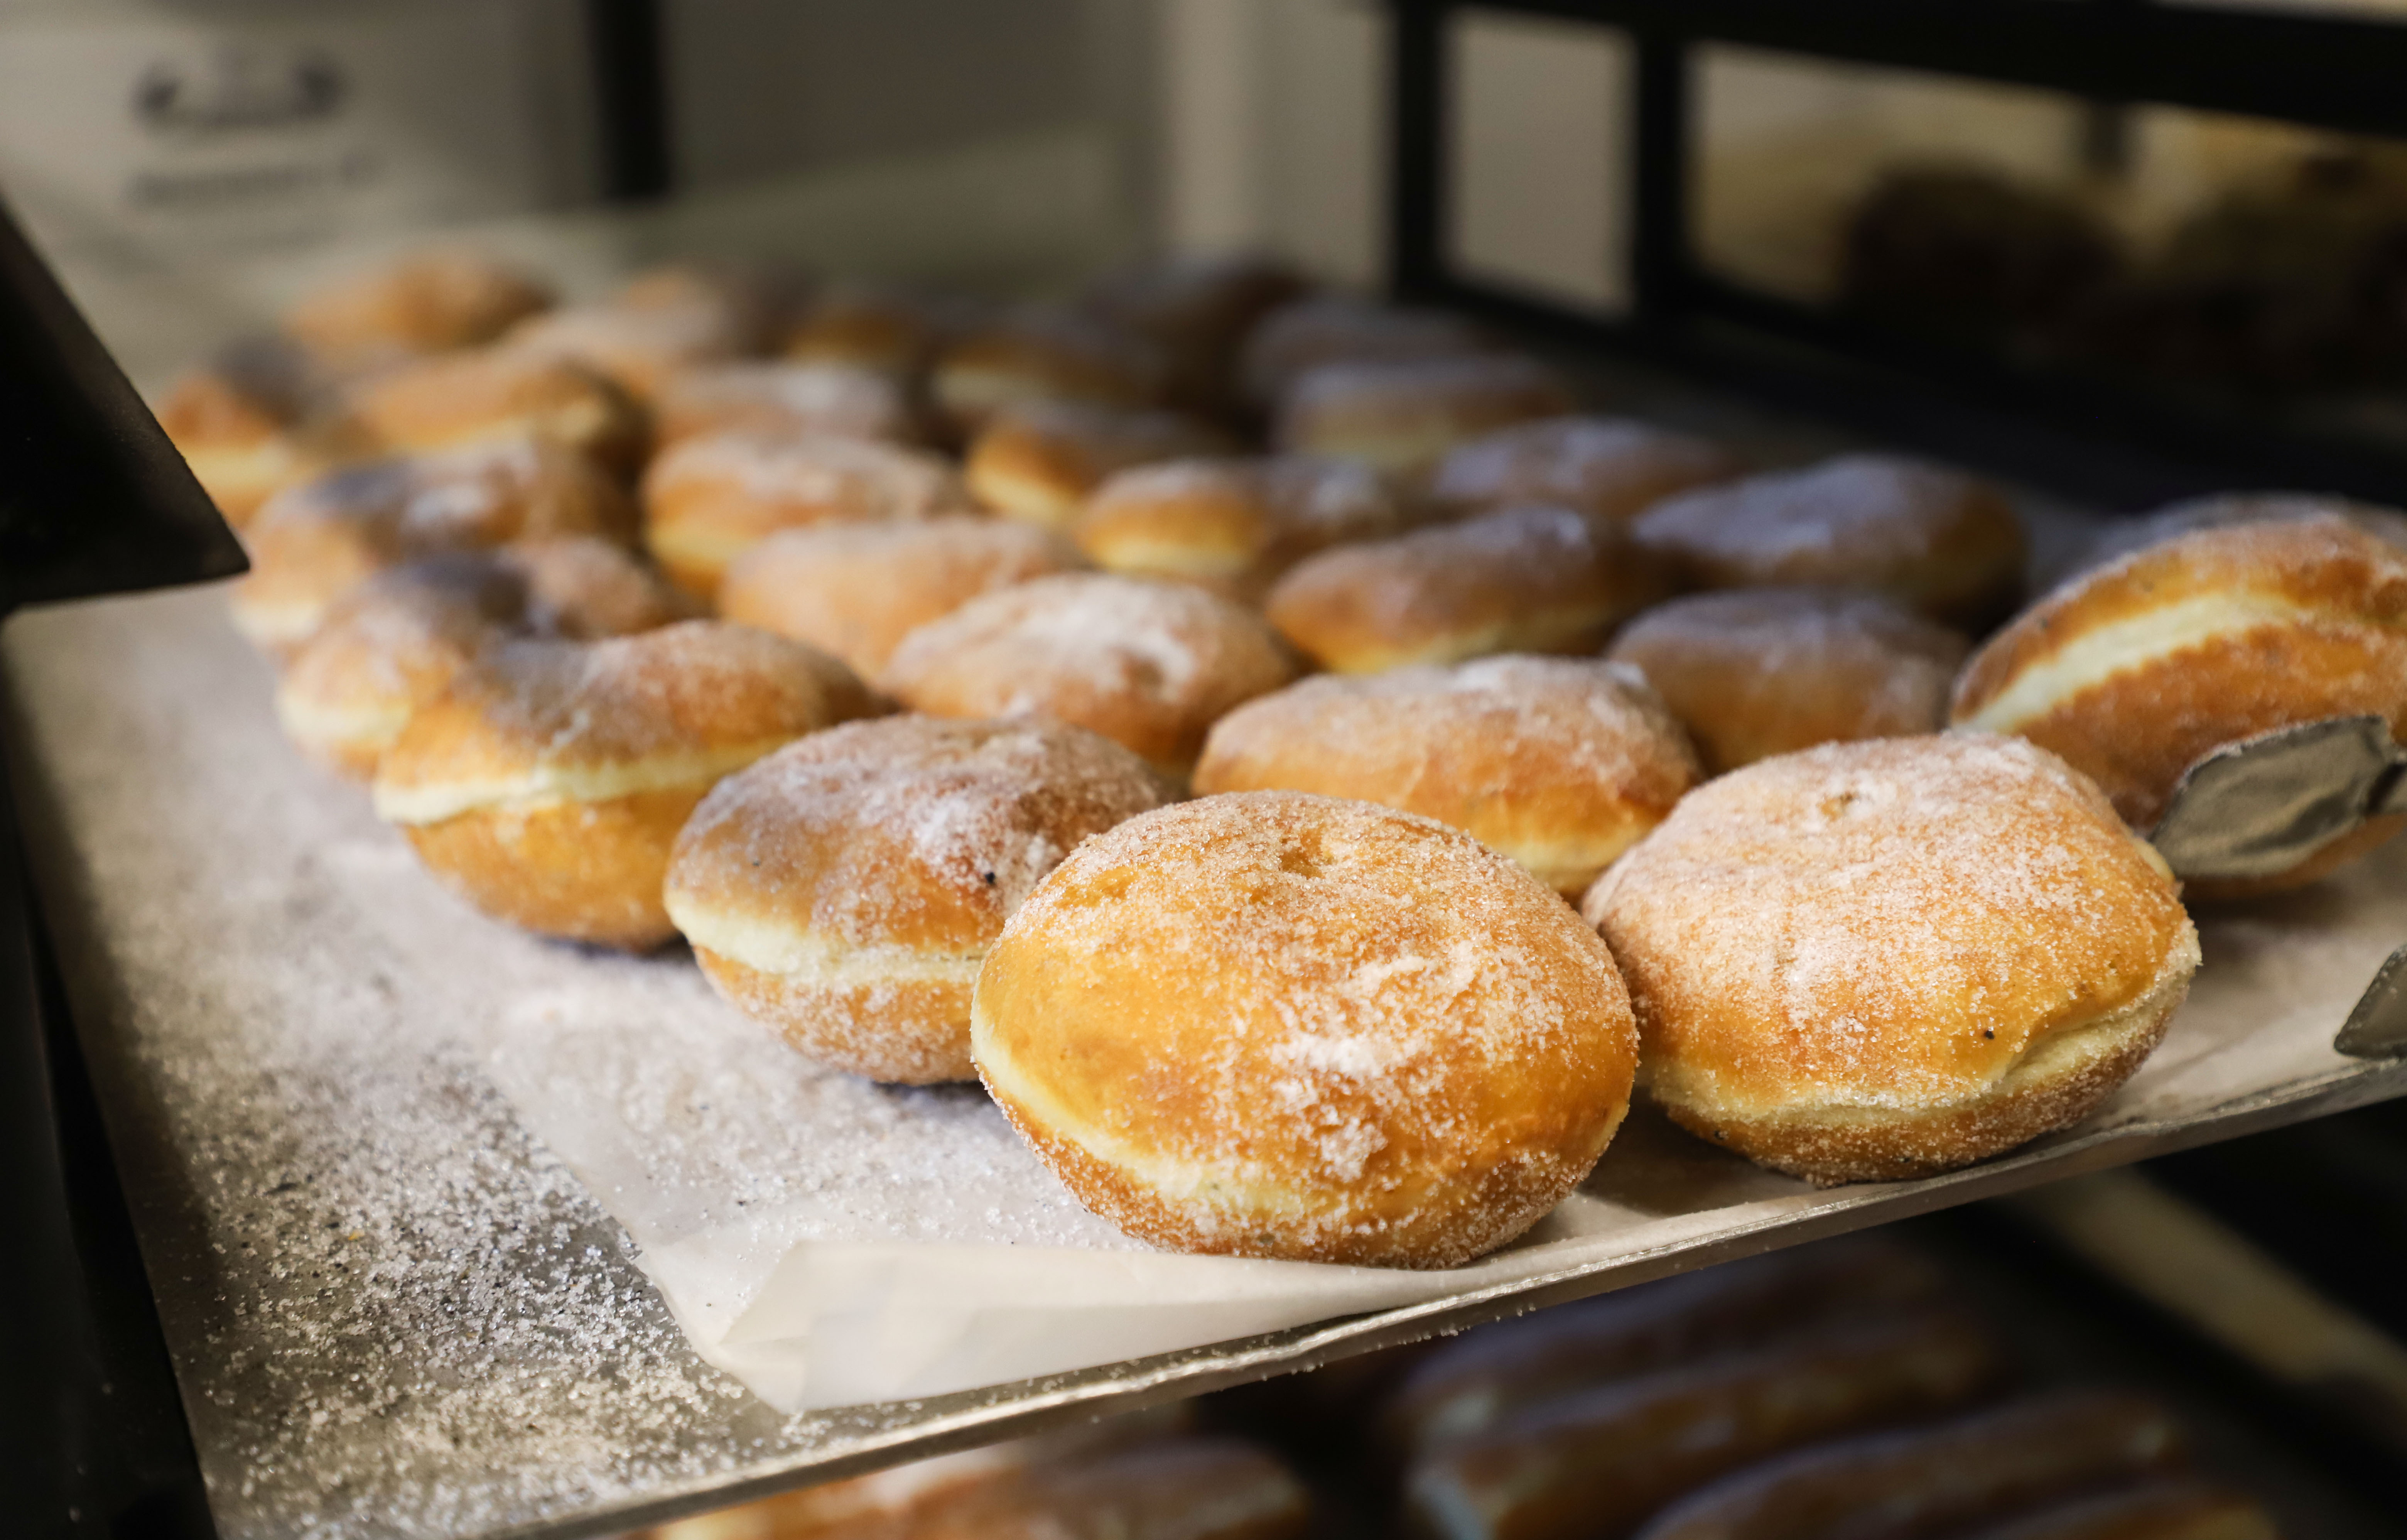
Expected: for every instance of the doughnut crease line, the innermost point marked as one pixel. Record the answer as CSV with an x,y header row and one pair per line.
x,y
550,785
2093,659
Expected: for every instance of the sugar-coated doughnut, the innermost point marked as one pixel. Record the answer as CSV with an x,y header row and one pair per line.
x,y
1149,666
892,332
586,588
547,783
313,541
498,395
1612,468
845,888
1198,309
1038,461
657,326
1530,580
390,643
1280,1025
1045,355
1944,542
1407,417
238,441
1758,672
2135,670
1561,764
1231,524
708,500
793,399
858,590
1892,958
1598,1463
2223,510
1299,337
429,303
1935,1480
2154,1510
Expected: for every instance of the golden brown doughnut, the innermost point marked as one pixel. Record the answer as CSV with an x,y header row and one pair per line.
x,y
547,783
1198,309
845,890
429,303
1944,542
498,395
1765,671
1045,355
311,542
241,423
1598,1463
1405,418
1561,764
2223,510
1149,666
1038,461
1480,1379
586,588
1528,579
658,325
858,590
1281,1025
1612,468
2158,1510
1233,525
390,643
2136,670
1892,958
887,330
1299,337
794,400
758,301
1931,1481
708,500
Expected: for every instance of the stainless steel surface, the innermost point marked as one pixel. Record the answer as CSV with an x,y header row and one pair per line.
x,y
2376,1027
2255,808
394,1313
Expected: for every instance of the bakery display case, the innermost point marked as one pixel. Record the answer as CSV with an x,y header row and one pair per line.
x,y
349,1210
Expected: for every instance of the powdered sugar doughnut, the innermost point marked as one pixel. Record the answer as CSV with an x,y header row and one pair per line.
x,y
429,303
1531,580
1233,526
658,326
1887,958
845,890
1607,467
498,395
1561,764
710,499
1045,355
1758,672
894,332
1297,339
1038,461
2225,510
1404,418
1149,666
546,784
1281,1025
792,400
858,590
1944,542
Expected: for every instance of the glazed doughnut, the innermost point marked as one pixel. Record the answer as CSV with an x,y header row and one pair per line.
x,y
1887,958
1758,672
498,395
1530,580
1045,355
2159,1510
429,303
2137,669
1233,526
1280,1025
1598,1463
708,500
1149,666
2223,511
1902,1486
1561,764
845,890
1405,418
1037,461
1192,1489
791,400
1946,544
311,542
1299,337
1610,469
1491,1374
858,590
546,784
887,330
390,643
1198,309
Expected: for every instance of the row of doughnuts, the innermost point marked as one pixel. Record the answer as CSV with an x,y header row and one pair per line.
x,y
1315,1013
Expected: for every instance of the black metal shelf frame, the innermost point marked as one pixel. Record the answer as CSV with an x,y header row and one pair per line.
x,y
2088,437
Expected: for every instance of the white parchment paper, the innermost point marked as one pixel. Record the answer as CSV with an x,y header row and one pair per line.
x,y
831,1242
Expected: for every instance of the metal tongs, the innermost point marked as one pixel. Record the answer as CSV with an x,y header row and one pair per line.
x,y
2263,805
